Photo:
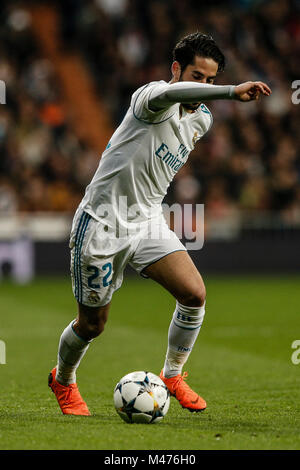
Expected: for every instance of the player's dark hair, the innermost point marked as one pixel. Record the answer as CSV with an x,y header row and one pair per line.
x,y
198,44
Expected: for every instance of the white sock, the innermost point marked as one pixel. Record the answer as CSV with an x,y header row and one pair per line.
x,y
71,350
183,331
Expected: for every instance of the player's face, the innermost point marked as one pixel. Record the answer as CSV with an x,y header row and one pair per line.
x,y
203,70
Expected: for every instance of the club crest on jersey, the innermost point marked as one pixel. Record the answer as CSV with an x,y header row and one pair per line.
x,y
195,138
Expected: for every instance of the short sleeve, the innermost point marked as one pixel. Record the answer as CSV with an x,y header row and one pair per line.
x,y
140,105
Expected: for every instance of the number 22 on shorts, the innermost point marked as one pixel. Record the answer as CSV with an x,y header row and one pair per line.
x,y
106,281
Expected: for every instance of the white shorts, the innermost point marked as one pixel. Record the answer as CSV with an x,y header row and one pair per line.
x,y
98,258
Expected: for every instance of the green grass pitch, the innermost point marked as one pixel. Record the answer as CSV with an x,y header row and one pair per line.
x,y
241,364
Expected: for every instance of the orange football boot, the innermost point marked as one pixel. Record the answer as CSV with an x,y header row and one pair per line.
x,y
68,397
179,389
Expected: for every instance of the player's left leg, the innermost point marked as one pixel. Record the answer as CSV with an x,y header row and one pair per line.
x,y
178,274
161,256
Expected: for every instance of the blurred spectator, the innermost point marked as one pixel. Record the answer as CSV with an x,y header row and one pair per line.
x,y
248,161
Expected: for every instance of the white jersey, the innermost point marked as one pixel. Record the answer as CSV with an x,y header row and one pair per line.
x,y
142,158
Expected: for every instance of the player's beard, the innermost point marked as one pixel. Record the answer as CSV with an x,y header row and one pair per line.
x,y
189,106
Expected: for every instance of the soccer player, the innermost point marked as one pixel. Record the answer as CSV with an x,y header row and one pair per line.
x,y
119,220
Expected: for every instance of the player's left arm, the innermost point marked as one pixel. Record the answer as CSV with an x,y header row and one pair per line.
x,y
190,92
250,91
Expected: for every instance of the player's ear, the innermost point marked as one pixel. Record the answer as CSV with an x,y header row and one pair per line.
x,y
176,71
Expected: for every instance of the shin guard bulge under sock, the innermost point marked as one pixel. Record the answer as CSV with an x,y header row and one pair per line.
x,y
183,331
71,350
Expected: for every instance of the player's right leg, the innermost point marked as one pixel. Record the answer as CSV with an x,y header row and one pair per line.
x,y
74,343
95,276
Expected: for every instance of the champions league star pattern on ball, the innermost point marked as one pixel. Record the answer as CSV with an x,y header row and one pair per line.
x,y
141,397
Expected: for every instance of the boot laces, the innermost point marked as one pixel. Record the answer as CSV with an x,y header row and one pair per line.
x,y
184,386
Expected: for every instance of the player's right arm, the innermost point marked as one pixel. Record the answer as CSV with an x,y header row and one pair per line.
x,y
191,92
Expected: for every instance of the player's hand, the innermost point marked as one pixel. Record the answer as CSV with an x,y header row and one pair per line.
x,y
250,91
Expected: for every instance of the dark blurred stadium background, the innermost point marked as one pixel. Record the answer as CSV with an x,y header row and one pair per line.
x,y
70,68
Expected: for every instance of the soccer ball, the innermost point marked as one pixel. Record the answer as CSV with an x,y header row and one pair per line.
x,y
141,397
